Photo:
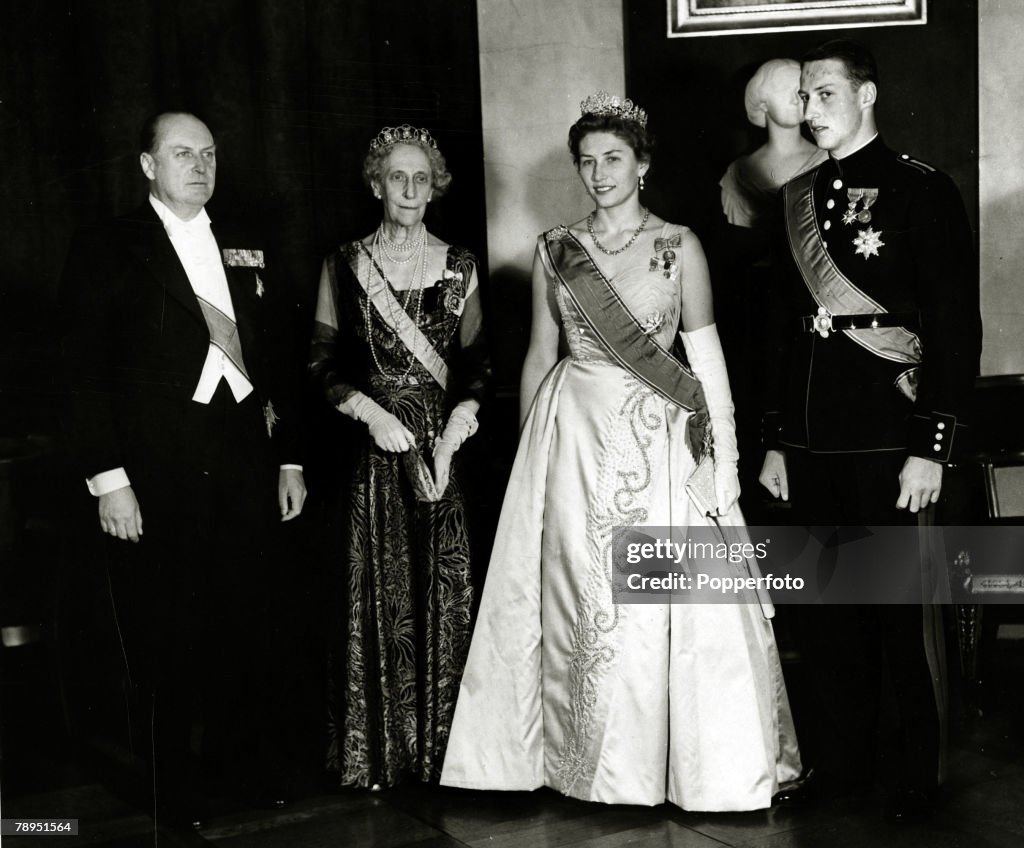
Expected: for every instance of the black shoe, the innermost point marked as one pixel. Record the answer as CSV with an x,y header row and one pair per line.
x,y
182,809
806,789
182,818
909,806
268,793
816,787
273,801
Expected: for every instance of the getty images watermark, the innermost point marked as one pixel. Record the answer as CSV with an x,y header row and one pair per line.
x,y
816,565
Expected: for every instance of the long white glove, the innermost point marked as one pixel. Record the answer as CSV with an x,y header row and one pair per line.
x,y
387,431
704,350
461,425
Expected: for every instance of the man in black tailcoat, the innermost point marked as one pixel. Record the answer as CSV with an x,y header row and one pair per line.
x,y
184,420
877,338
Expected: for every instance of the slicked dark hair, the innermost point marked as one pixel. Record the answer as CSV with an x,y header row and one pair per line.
x,y
859,63
636,136
151,126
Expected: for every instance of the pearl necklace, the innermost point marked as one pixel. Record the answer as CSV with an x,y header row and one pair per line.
x,y
627,245
375,260
410,245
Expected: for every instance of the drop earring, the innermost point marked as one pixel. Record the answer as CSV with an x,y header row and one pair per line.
x,y
641,182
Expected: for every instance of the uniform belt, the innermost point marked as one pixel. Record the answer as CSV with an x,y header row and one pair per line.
x,y
866,321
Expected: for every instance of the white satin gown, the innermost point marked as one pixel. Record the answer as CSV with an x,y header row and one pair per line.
x,y
627,703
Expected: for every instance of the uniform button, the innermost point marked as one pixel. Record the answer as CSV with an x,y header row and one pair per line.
x,y
828,225
941,425
838,184
824,244
938,437
936,448
831,204
904,156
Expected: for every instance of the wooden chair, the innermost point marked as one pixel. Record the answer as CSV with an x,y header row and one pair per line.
x,y
996,456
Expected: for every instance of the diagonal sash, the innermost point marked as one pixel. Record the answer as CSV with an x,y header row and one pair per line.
x,y
833,290
223,334
622,335
407,331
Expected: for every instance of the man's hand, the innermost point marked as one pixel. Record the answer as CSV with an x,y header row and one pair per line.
x,y
920,483
120,514
291,493
773,474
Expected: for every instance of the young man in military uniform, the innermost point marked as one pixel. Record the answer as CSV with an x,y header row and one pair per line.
x,y
877,339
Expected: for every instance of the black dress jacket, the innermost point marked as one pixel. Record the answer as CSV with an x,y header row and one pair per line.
x,y
914,256
135,342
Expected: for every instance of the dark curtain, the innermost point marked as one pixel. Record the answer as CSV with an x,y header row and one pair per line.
x,y
293,91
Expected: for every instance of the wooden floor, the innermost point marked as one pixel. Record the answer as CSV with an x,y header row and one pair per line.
x,y
982,805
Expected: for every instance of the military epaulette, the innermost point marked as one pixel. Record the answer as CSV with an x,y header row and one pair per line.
x,y
923,167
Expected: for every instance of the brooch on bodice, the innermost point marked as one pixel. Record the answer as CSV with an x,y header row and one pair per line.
x,y
454,290
664,258
652,323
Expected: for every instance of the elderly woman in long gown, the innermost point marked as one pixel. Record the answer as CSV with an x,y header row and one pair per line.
x,y
398,346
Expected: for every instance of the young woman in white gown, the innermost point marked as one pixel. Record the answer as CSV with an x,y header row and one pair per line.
x,y
618,703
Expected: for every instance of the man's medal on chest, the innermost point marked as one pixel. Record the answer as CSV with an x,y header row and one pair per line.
x,y
863,197
858,211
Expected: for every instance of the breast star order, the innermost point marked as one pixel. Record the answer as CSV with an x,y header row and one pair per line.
x,y
868,242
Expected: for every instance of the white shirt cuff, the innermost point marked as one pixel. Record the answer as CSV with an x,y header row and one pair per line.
x,y
108,481
291,467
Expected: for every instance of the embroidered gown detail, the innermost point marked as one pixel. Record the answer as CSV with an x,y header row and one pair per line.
x,y
404,595
628,703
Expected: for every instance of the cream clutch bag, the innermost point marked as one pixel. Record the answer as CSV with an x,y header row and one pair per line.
x,y
701,487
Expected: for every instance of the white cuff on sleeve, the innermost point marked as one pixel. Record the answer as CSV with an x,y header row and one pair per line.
x,y
108,481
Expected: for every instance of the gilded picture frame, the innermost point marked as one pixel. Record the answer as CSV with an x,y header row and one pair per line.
x,y
690,18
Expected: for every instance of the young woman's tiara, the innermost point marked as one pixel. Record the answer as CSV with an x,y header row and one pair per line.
x,y
603,103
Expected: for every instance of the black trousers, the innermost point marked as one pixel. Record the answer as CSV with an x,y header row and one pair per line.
x,y
872,706
194,601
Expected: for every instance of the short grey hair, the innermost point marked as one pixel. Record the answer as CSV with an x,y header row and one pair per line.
x,y
376,158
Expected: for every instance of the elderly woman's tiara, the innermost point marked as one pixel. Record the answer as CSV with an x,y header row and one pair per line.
x,y
405,133
603,103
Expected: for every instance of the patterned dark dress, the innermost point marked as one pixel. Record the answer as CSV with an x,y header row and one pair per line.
x,y
406,593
